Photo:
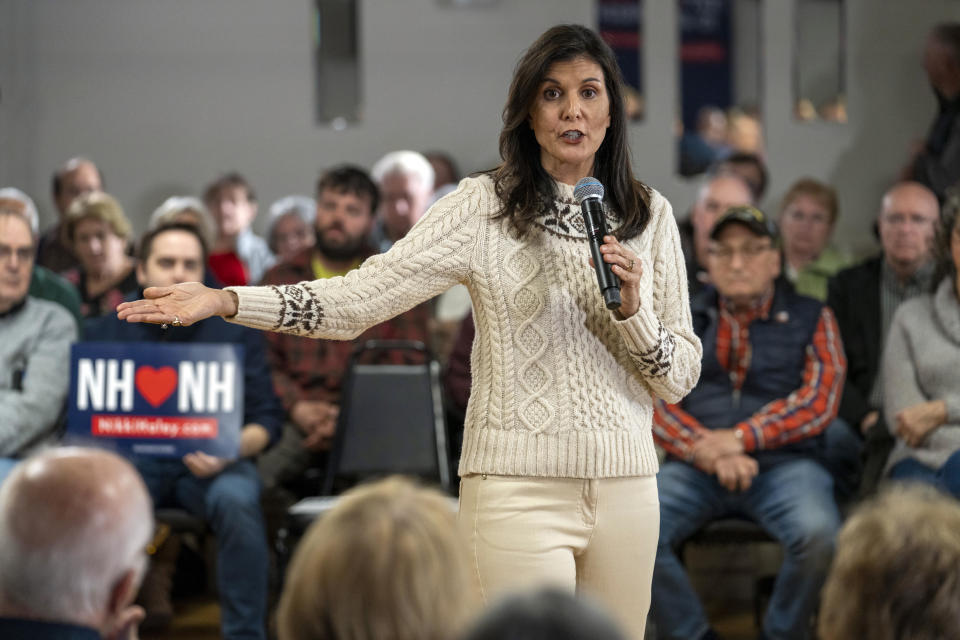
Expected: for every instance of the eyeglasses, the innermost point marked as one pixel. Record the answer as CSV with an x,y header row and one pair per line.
x,y
23,254
748,252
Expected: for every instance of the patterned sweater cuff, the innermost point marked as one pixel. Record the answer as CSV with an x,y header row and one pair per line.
x,y
647,340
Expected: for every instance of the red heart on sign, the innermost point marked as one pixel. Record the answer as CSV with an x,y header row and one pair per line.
x,y
156,385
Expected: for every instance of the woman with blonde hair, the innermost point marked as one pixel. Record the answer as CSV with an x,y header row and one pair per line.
x,y
386,563
894,575
98,231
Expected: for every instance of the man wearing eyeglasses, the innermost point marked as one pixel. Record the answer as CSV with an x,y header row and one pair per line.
x,y
36,336
747,440
865,297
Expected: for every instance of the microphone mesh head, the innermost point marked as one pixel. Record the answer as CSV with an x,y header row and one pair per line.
x,y
588,188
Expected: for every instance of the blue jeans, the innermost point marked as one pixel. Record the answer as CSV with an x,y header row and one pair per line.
x,y
842,456
946,478
230,504
793,501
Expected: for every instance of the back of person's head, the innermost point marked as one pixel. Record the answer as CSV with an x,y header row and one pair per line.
x,y
19,203
386,563
74,525
407,163
548,614
896,572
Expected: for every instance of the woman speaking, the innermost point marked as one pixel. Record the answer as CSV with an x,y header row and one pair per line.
x,y
558,466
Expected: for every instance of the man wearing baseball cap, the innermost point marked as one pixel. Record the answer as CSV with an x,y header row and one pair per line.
x,y
747,441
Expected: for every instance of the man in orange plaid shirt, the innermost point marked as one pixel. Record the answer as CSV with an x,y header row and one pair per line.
x,y
747,440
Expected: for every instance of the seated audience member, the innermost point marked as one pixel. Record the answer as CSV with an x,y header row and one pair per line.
x,y
238,256
405,180
921,377
745,131
446,175
717,194
184,210
745,441
386,563
291,226
44,284
74,178
74,525
894,574
864,298
224,493
36,336
936,160
808,216
548,614
748,166
706,144
308,373
99,233
191,211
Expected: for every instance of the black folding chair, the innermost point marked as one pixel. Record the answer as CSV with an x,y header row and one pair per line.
x,y
391,421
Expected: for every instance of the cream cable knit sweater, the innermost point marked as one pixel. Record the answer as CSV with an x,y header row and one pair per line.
x,y
560,387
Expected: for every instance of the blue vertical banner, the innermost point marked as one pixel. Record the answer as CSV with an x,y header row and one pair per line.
x,y
706,76
620,24
152,399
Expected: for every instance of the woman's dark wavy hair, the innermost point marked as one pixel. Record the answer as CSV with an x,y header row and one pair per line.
x,y
943,257
520,181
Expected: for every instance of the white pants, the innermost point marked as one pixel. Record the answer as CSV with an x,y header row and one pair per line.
x,y
595,536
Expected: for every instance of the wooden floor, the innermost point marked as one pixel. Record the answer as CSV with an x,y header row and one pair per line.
x,y
199,619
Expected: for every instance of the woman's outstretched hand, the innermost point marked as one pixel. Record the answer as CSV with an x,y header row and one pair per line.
x,y
179,305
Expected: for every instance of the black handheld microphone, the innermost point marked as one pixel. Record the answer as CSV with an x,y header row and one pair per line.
x,y
589,193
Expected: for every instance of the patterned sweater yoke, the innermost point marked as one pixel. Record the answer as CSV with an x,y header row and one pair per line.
x,y
561,387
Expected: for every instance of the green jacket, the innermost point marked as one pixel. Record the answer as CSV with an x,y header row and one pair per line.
x,y
47,285
812,279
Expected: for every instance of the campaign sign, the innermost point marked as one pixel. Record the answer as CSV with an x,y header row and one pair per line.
x,y
153,399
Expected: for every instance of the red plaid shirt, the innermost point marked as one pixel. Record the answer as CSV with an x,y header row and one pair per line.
x,y
804,413
311,369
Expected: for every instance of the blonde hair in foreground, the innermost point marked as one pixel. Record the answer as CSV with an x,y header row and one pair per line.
x,y
387,563
896,572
